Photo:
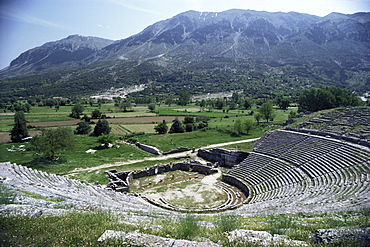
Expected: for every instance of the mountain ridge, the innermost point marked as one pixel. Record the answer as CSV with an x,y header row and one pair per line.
x,y
206,41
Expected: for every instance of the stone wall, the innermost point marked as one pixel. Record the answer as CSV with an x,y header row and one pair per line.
x,y
149,149
177,150
120,181
237,183
224,157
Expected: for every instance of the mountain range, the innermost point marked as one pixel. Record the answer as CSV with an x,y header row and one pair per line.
x,y
233,40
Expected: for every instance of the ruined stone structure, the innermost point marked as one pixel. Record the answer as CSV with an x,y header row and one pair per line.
x,y
289,171
149,149
302,170
81,196
222,156
177,150
120,181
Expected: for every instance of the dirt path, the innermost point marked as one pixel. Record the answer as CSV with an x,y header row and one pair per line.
x,y
162,157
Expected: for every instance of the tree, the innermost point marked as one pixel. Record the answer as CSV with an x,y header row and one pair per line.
x,y
53,140
189,123
161,128
102,128
238,127
247,103
83,128
266,110
326,98
169,100
282,102
184,98
106,139
177,127
219,104
202,104
189,119
292,114
95,114
151,107
258,117
77,110
19,130
235,97
125,104
248,124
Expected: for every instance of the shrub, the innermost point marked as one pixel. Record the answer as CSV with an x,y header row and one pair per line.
x,y
102,128
83,128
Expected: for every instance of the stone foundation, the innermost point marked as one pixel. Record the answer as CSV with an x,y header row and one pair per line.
x,y
224,157
120,181
237,183
149,149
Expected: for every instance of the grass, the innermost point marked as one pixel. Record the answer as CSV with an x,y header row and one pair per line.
x,y
195,139
75,158
6,195
98,176
40,197
84,228
74,229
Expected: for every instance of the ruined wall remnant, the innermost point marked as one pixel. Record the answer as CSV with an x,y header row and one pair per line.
x,y
224,157
120,181
237,183
149,149
177,150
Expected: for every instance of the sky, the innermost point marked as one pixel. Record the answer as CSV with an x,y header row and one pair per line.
x,y
25,24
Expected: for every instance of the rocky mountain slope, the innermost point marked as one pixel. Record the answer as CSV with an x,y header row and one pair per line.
x,y
273,38
199,41
61,54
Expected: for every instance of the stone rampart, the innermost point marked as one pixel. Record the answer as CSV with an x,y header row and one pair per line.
x,y
224,157
237,183
120,181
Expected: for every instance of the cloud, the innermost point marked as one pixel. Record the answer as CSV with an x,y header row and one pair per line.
x,y
9,15
103,26
133,7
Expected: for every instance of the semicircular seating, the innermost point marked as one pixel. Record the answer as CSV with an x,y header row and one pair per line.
x,y
83,196
293,171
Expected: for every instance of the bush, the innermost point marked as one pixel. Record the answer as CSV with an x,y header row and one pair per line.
x,y
53,140
161,128
83,128
102,128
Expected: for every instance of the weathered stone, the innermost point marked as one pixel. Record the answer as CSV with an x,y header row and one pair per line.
x,y
177,150
146,240
360,237
149,149
120,181
224,157
262,238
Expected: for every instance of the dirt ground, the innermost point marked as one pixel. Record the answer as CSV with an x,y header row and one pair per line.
x,y
5,137
199,192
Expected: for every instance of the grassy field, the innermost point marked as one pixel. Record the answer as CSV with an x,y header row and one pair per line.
x,y
140,120
83,229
